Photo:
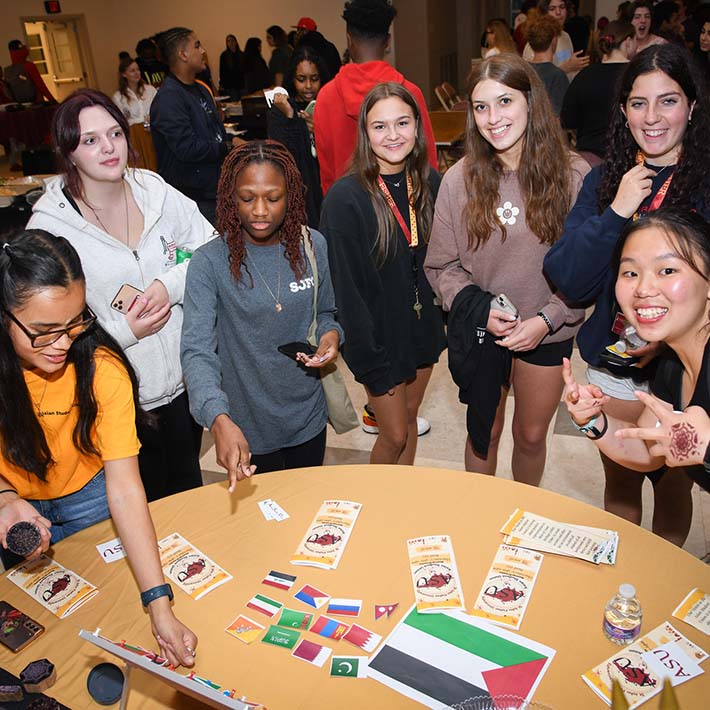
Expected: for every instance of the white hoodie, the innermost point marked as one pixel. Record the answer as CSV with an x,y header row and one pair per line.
x,y
171,221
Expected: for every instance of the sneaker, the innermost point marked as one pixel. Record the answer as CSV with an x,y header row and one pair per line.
x,y
369,423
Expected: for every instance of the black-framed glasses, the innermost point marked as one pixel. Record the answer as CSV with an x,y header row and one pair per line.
x,y
42,340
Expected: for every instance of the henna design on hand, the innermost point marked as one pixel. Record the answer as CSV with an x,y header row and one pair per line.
x,y
684,441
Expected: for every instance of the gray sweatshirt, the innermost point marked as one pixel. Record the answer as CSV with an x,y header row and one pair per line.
x,y
230,337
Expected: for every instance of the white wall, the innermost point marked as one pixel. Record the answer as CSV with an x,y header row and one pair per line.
x,y
116,25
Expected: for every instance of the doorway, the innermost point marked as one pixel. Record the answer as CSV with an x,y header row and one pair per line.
x,y
56,49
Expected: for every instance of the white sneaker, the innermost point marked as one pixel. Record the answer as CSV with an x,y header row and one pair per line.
x,y
369,423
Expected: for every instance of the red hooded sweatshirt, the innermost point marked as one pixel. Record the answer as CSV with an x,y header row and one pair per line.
x,y
337,110
20,56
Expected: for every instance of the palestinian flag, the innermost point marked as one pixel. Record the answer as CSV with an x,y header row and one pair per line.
x,y
439,659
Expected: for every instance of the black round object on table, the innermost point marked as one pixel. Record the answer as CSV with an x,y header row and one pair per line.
x,y
105,683
23,538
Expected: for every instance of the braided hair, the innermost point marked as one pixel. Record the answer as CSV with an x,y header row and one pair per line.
x,y
228,223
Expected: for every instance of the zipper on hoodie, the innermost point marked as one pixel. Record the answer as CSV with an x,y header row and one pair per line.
x,y
138,261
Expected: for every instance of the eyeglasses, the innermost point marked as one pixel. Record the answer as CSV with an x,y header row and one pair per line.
x,y
42,340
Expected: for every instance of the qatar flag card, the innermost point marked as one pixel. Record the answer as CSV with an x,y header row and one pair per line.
x,y
312,653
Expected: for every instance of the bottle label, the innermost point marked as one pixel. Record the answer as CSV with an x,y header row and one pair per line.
x,y
626,635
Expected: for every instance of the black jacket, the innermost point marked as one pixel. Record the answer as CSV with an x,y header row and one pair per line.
x,y
190,141
478,366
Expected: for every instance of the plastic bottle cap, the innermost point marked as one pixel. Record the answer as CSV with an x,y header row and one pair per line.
x,y
628,591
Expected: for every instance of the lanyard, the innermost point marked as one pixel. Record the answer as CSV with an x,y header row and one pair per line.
x,y
658,198
410,232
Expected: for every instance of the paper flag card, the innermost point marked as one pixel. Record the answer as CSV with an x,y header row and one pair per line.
x,y
628,666
295,619
277,636
264,605
348,666
362,638
330,628
312,653
326,537
695,610
438,659
244,629
434,574
56,588
311,596
279,580
384,610
344,607
190,569
271,510
506,590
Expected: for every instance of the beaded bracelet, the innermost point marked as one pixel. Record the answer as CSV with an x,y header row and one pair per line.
x,y
547,321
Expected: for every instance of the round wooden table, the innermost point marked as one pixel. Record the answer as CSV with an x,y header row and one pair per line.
x,y
565,611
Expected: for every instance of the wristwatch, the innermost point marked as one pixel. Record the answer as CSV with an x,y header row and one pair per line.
x,y
590,428
150,595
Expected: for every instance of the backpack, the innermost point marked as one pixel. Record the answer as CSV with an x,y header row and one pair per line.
x,y
19,83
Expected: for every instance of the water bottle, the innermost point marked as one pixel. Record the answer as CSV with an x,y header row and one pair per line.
x,y
622,616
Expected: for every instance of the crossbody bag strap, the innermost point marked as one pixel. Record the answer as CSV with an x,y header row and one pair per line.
x,y
310,255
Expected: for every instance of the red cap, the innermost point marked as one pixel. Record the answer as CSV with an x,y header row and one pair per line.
x,y
307,23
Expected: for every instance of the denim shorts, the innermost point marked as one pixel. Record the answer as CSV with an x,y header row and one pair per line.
x,y
79,510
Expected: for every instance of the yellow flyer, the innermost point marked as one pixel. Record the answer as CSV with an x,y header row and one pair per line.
x,y
695,610
538,533
58,589
326,537
185,565
629,666
435,577
508,585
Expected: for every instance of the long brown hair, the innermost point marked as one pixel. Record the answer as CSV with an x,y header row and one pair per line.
x,y
544,172
123,82
366,168
228,223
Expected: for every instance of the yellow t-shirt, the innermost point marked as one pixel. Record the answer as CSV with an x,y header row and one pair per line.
x,y
114,432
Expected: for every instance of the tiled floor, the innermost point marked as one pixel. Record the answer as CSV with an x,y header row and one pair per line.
x,y
573,465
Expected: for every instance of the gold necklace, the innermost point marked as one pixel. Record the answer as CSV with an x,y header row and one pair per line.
x,y
277,298
103,226
38,405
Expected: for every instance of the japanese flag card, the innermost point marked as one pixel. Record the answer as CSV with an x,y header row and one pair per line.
x,y
56,588
695,610
244,629
326,537
508,585
435,577
192,571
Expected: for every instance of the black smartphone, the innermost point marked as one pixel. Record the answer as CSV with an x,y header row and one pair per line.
x,y
612,356
292,349
16,628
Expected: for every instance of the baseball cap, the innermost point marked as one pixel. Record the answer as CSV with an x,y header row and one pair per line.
x,y
306,23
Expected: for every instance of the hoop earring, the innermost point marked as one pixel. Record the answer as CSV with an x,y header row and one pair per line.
x,y
626,123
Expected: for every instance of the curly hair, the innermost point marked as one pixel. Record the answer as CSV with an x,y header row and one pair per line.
x,y
690,182
228,223
544,172
366,168
369,19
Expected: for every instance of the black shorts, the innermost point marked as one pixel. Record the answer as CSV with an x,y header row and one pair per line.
x,y
549,355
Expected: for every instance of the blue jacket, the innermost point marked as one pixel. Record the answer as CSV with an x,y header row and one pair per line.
x,y
189,138
581,265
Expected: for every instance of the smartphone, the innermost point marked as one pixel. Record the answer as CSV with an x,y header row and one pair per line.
x,y
125,299
503,303
613,356
310,108
16,628
292,349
